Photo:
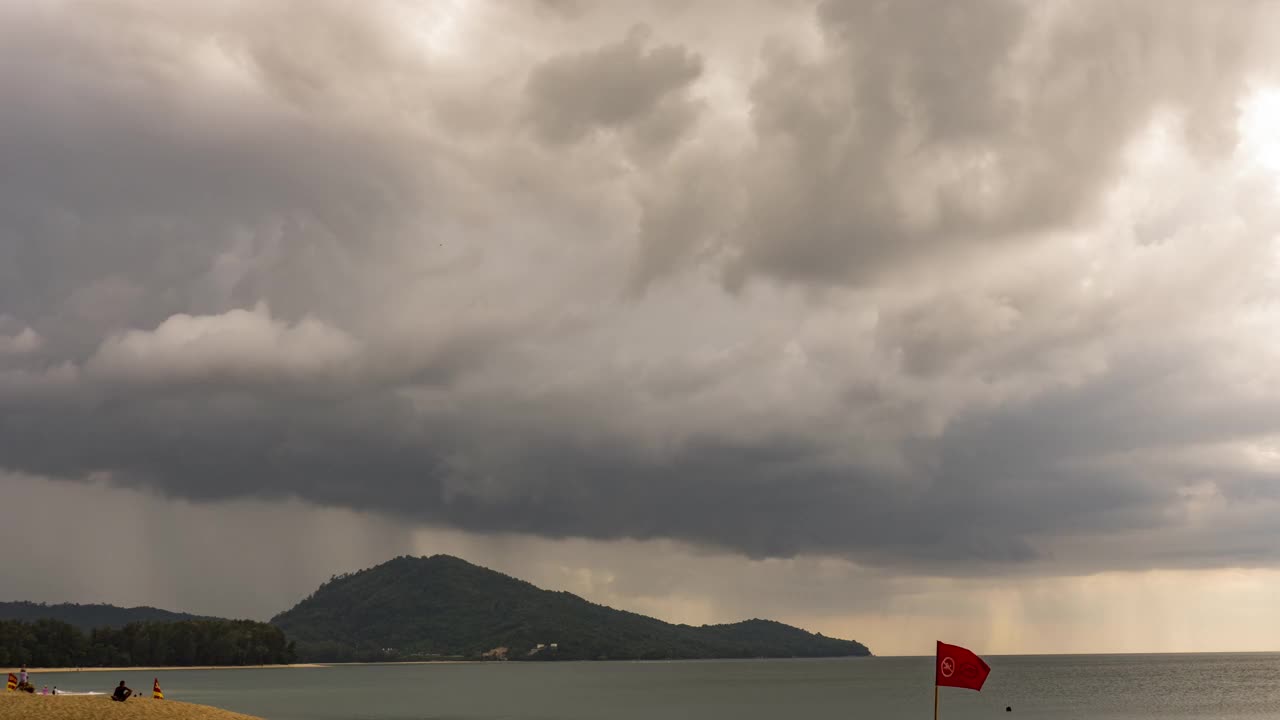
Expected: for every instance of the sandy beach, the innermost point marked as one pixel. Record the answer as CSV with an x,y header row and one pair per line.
x,y
23,706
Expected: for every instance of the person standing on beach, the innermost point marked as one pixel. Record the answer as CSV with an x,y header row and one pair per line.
x,y
22,675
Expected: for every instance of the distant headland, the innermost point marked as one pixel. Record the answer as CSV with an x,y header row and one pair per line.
x,y
414,609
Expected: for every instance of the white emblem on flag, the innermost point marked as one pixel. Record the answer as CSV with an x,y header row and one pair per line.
x,y
948,667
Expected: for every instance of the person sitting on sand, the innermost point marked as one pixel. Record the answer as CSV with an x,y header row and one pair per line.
x,y
122,693
44,690
55,689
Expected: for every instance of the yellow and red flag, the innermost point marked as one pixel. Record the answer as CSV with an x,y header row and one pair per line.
x,y
12,684
156,692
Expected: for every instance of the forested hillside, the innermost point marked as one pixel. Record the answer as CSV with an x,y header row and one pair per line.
x,y
87,617
417,608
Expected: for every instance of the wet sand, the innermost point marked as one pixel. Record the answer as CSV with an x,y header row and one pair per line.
x,y
24,706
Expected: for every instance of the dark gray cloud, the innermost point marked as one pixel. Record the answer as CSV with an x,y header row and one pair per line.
x,y
1009,272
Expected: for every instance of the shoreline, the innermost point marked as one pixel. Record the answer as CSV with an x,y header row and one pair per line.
x,y
165,668
172,668
306,666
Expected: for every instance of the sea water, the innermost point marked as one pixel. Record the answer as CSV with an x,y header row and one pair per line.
x,y
1115,687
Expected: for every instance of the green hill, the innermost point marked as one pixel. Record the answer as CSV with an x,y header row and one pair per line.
x,y
415,608
88,617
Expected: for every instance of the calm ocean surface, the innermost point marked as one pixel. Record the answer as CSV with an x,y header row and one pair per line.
x,y
1099,686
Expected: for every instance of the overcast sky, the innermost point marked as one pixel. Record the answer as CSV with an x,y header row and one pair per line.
x,y
900,321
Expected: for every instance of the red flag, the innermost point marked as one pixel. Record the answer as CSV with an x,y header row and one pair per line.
x,y
957,667
156,693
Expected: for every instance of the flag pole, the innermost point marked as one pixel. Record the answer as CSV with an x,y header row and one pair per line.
x,y
935,702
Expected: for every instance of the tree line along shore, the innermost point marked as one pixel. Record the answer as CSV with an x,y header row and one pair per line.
x,y
56,644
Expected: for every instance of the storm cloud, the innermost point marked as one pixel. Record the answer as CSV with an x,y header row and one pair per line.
x,y
973,289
